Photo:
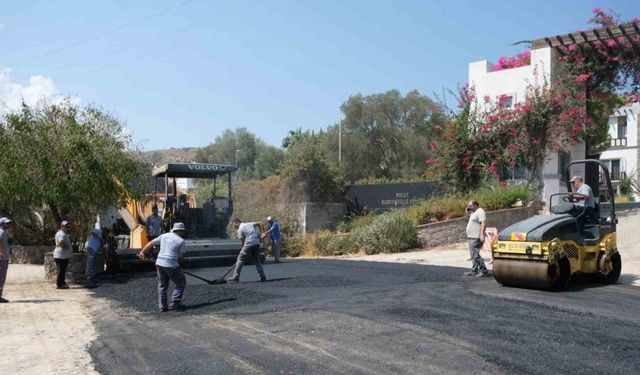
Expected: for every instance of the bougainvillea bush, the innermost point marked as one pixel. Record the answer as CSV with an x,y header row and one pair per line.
x,y
587,83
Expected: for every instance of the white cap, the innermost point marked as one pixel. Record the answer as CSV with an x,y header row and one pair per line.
x,y
269,218
5,220
64,223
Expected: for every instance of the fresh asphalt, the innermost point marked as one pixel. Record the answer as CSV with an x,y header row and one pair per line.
x,y
356,317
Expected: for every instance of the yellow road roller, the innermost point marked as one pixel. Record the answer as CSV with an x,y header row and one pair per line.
x,y
544,251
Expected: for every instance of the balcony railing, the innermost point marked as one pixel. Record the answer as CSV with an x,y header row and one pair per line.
x,y
618,142
615,176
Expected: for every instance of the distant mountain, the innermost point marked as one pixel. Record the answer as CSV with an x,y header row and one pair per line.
x,y
171,155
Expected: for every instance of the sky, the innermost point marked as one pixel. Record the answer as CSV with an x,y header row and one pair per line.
x,y
180,72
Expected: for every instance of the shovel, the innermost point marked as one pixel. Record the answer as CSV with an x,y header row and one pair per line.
x,y
221,280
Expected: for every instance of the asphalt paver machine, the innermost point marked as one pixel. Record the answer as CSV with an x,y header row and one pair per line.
x,y
545,251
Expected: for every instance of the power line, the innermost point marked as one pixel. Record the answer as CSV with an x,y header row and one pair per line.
x,y
98,36
117,51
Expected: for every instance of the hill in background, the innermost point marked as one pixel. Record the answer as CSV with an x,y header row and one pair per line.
x,y
171,155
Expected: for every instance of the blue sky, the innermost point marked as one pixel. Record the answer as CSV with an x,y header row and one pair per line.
x,y
180,72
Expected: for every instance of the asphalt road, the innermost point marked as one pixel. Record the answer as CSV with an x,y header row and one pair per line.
x,y
347,317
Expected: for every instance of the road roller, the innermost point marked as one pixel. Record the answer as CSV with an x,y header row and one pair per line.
x,y
545,251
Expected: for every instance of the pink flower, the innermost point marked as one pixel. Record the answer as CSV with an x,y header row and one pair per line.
x,y
583,77
597,10
487,99
635,20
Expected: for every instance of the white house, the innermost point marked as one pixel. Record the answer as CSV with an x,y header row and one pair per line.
x,y
622,157
513,83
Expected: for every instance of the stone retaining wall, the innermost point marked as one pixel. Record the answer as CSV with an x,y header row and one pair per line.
x,y
29,254
75,270
451,231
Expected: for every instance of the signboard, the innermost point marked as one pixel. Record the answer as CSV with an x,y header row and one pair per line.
x,y
383,197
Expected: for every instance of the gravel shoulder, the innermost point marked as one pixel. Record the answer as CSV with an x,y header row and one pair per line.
x,y
45,330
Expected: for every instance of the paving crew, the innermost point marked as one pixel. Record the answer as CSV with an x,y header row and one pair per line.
x,y
273,231
5,252
250,240
94,245
62,253
168,266
584,196
153,225
475,235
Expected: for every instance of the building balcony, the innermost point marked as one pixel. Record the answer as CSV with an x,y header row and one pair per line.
x,y
618,142
615,176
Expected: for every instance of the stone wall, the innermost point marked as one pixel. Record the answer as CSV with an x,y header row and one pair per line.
x,y
320,216
29,254
451,231
75,270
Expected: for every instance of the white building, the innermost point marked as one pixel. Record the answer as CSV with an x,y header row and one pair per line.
x,y
622,157
513,83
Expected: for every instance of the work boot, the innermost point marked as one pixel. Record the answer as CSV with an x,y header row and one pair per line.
x,y
164,309
64,286
178,307
481,274
2,300
469,273
263,278
233,279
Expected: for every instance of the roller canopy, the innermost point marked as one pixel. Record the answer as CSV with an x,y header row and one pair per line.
x,y
193,170
536,228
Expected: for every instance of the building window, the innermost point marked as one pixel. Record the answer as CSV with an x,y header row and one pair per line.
x,y
564,158
615,173
622,127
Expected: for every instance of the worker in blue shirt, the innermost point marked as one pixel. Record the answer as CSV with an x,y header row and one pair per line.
x,y
273,231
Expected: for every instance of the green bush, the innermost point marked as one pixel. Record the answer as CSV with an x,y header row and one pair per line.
x,y
335,244
451,207
390,232
293,246
355,222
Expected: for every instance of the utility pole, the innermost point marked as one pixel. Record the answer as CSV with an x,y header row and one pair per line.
x,y
340,138
237,175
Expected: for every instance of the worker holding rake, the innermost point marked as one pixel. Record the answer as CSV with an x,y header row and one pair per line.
x,y
168,265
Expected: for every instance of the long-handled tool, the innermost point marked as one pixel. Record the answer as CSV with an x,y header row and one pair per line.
x,y
221,280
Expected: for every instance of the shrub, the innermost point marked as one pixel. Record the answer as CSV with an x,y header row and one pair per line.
x,y
451,207
293,246
390,232
355,222
335,244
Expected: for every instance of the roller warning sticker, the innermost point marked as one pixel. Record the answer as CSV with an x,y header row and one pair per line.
x,y
518,236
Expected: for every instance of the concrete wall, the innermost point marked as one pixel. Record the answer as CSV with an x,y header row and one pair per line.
x,y
512,82
29,254
76,269
320,216
451,231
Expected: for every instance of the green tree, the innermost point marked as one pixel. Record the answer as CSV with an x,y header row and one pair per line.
x,y
254,157
380,132
74,160
310,172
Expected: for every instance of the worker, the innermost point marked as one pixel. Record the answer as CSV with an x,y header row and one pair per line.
x,y
584,196
273,231
153,226
94,245
62,253
476,236
250,241
5,252
168,266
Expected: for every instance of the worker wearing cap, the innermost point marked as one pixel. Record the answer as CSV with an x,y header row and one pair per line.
x,y
62,253
584,195
168,266
94,244
5,251
153,225
273,231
